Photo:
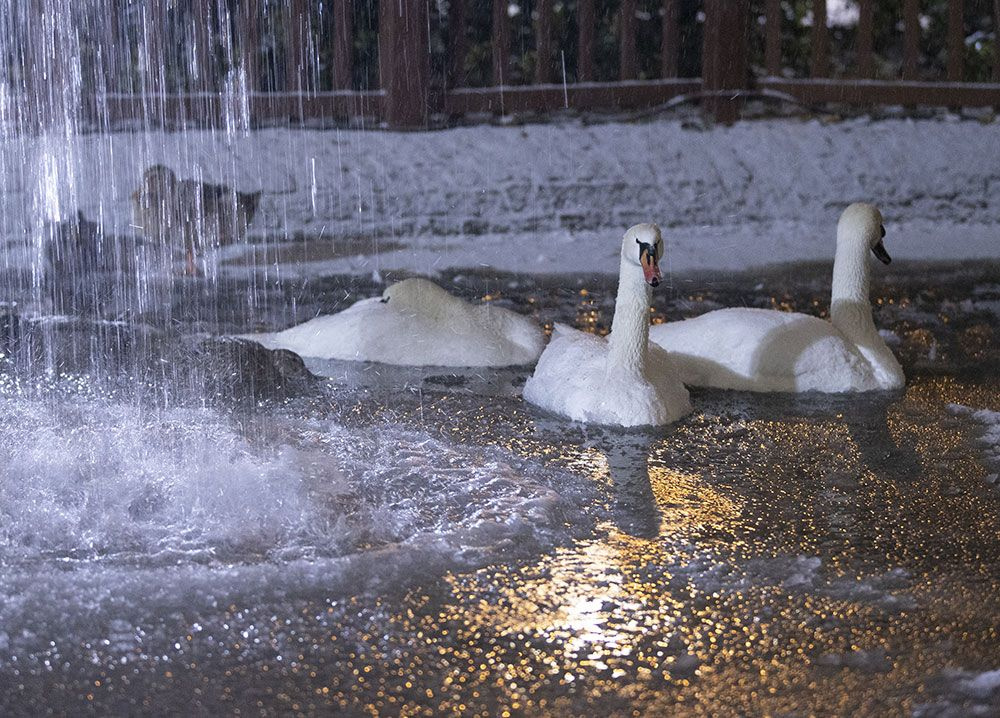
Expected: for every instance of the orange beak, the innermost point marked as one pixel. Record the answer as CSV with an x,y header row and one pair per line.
x,y
650,269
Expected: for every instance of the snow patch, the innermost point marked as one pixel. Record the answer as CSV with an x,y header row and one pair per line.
x,y
960,693
991,434
515,198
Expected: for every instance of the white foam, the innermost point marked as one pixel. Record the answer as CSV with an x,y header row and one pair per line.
x,y
185,507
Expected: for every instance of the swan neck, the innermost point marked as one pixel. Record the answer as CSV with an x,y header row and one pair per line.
x,y
850,304
629,340
850,272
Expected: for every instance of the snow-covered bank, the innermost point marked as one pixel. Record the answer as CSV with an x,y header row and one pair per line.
x,y
553,198
991,434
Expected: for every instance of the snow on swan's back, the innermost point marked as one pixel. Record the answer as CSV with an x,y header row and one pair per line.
x,y
767,350
619,380
416,323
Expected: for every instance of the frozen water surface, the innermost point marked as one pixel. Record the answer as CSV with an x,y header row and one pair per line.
x,y
421,541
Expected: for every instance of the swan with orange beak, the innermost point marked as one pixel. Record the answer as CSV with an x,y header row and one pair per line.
x,y
620,379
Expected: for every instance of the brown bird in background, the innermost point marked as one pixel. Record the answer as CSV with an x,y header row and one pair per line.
x,y
191,213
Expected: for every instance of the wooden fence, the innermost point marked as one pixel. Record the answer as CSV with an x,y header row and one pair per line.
x,y
412,88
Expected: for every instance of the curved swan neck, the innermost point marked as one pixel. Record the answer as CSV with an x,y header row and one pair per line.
x,y
850,304
629,339
850,272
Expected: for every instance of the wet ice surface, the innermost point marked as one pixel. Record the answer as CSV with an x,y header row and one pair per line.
x,y
423,540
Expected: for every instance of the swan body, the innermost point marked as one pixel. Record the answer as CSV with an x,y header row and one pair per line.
x,y
619,380
771,351
416,323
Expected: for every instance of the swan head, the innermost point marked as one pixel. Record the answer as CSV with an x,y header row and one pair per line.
x,y
861,224
642,246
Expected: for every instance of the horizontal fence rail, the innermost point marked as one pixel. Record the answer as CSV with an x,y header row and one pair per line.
x,y
404,62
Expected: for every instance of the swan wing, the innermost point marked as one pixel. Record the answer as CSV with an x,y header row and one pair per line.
x,y
567,372
513,338
410,334
763,350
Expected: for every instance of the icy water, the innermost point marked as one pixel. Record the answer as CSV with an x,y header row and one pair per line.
x,y
391,541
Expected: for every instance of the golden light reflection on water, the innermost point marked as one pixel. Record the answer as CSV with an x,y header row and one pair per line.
x,y
592,602
805,556
687,503
753,588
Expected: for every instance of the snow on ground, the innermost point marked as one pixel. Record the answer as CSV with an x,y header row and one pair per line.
x,y
547,198
991,434
963,693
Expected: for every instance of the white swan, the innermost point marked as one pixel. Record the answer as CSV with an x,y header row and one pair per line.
x,y
620,380
416,323
767,350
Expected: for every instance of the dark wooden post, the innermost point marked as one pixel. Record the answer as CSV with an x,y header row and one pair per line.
x,y
40,70
343,45
543,42
99,73
772,37
114,49
586,22
248,32
724,58
152,59
457,45
404,62
996,40
153,50
296,46
956,40
202,37
501,42
628,58
820,41
866,38
911,38
670,38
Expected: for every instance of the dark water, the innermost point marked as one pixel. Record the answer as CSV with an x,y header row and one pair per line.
x,y
387,541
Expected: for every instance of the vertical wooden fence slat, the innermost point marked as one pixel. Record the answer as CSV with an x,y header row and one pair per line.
x,y
37,113
202,36
586,26
956,39
248,32
628,58
296,50
911,38
543,42
772,37
501,42
670,37
457,45
724,57
404,62
866,38
115,50
820,66
996,40
152,50
343,45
